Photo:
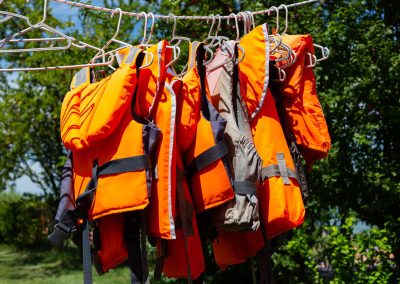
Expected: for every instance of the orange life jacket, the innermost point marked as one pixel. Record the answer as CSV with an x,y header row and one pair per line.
x,y
155,103
209,181
280,196
201,132
111,148
231,247
103,136
300,100
184,255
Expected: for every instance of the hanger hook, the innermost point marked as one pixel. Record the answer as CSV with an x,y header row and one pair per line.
x,y
117,10
211,16
152,26
277,17
145,26
244,18
174,27
39,24
236,24
251,17
286,17
218,16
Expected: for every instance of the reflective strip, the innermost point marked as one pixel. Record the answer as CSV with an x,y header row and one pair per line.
x,y
273,171
131,55
244,187
266,75
208,157
192,55
171,148
81,77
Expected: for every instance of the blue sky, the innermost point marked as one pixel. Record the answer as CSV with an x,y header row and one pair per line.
x,y
63,11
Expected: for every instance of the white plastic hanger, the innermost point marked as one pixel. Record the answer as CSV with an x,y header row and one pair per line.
x,y
175,37
176,51
41,25
148,60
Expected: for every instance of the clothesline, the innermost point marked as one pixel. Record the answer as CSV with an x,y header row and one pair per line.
x,y
183,17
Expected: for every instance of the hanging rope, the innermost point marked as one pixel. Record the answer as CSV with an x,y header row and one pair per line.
x,y
166,17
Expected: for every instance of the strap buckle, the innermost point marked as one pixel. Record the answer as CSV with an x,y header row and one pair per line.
x,y
282,168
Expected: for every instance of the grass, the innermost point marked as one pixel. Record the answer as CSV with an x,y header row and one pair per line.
x,y
47,267
59,266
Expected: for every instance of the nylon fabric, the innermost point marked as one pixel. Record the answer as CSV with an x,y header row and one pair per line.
x,y
281,204
109,242
183,256
236,247
241,213
302,107
157,101
203,128
115,168
94,113
184,261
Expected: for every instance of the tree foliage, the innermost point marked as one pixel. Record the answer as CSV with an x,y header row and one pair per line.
x,y
359,89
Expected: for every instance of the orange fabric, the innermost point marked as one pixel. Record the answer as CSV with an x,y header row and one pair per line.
x,y
235,247
210,186
115,193
94,113
303,110
154,95
253,78
176,264
281,204
113,250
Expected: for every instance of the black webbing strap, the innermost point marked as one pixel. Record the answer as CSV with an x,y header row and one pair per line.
x,y
252,269
160,259
135,240
143,250
119,166
67,223
274,171
208,157
244,187
86,255
264,258
182,212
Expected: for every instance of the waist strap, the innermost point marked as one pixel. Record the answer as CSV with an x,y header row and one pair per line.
x,y
68,222
207,157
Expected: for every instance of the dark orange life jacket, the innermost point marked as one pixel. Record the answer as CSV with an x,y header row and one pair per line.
x,y
303,110
156,104
200,131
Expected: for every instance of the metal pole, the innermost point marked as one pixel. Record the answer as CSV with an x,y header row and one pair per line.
x,y
166,17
